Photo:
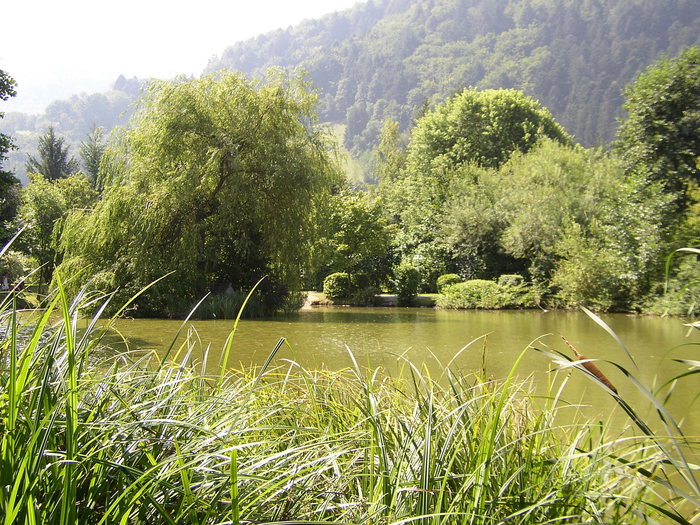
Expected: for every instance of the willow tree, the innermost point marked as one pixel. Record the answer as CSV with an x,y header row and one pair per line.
x,y
215,180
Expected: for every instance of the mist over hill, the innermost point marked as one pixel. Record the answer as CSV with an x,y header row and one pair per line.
x,y
393,59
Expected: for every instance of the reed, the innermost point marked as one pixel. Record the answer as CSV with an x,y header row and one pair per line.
x,y
90,437
662,455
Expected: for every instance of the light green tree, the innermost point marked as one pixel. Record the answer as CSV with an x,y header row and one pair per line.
x,y
474,130
9,184
567,218
660,138
353,237
44,205
91,152
216,180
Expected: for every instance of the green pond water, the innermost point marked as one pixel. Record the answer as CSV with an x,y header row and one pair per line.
x,y
321,337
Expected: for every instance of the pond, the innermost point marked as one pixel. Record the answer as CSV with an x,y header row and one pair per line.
x,y
322,337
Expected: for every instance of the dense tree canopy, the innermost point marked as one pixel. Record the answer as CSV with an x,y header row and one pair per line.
x,y
7,90
660,139
9,185
216,180
481,129
566,217
45,204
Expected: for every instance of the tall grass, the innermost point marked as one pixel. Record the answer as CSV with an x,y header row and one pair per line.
x,y
128,439
662,455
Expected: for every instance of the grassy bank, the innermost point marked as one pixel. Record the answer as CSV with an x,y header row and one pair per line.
x,y
92,437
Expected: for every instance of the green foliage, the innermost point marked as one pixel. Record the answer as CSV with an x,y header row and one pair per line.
x,y
390,155
227,306
338,285
217,179
383,60
16,265
528,224
352,237
446,280
7,90
53,161
9,185
511,280
96,437
673,473
479,127
405,282
45,205
453,145
509,292
660,137
91,151
680,294
475,293
364,295
591,273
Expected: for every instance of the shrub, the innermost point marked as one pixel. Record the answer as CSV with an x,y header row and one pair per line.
x,y
360,281
293,302
16,265
510,279
406,280
446,280
477,293
337,285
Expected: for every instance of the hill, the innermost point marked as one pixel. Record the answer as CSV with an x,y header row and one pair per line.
x,y
393,59
389,59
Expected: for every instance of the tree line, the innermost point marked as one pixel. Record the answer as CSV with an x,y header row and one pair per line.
x,y
222,180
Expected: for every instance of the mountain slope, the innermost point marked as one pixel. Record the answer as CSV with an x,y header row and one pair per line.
x,y
390,58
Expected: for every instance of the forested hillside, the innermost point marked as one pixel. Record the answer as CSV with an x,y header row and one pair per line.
x,y
389,59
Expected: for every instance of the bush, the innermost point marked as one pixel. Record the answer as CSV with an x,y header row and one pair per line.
x,y
511,279
360,281
337,285
16,266
406,280
446,280
479,293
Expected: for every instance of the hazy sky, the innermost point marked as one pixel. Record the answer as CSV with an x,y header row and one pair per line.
x,y
54,49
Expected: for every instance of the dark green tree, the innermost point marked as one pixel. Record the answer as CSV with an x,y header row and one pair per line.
x,y
9,185
53,161
660,139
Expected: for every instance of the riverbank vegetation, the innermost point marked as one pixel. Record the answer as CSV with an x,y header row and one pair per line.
x,y
89,436
220,180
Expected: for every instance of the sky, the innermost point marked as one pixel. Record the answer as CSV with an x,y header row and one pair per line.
x,y
56,49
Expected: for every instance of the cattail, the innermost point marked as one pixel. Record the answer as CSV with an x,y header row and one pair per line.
x,y
591,367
